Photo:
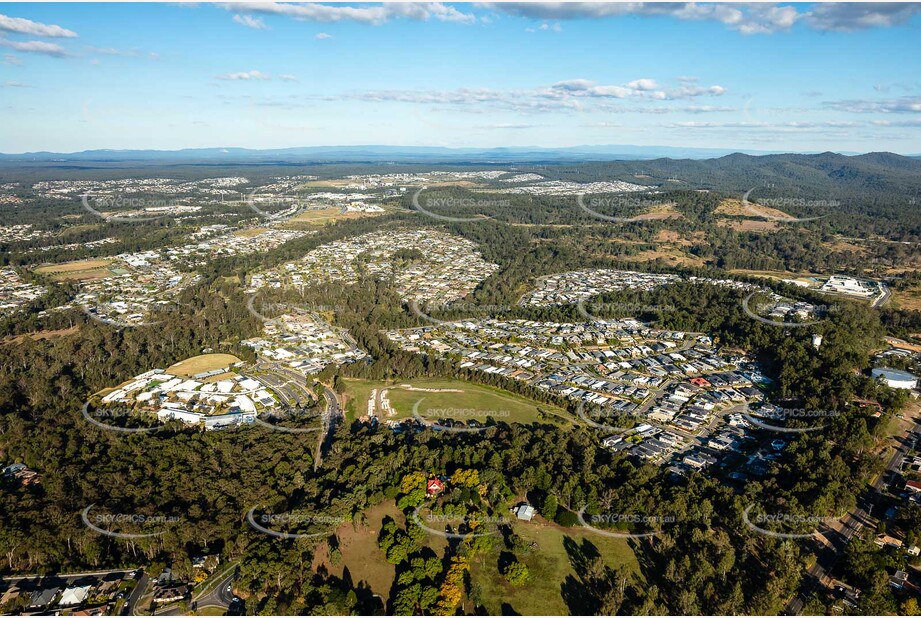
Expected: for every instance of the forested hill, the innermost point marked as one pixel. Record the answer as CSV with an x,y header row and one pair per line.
x,y
873,173
880,177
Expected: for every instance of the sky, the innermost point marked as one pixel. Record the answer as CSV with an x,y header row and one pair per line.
x,y
767,76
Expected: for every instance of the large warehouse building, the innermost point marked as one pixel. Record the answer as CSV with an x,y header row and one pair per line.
x,y
895,378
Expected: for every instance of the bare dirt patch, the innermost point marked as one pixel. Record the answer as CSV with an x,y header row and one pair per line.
x,y
42,334
327,215
249,233
68,267
199,364
672,256
749,225
660,212
81,270
909,299
361,554
843,245
736,208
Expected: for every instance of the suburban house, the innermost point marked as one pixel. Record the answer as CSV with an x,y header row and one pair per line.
x,y
524,512
434,487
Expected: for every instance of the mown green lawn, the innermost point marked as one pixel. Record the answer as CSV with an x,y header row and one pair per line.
x,y
476,402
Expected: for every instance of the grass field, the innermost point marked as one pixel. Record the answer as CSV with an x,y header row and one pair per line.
x,y
551,565
361,555
81,270
661,211
42,334
204,362
749,225
907,299
475,402
780,274
328,215
249,233
669,254
736,208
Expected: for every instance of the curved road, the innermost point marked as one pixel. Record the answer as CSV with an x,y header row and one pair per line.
x,y
221,595
331,417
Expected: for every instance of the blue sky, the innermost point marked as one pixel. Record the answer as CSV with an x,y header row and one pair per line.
x,y
797,77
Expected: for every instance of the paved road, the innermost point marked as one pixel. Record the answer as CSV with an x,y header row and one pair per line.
x,y
66,576
221,594
880,300
131,603
332,416
218,595
289,386
851,525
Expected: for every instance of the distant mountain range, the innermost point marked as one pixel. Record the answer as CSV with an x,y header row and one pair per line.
x,y
872,175
401,154
877,173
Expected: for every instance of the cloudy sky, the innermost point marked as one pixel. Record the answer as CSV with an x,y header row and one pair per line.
x,y
771,76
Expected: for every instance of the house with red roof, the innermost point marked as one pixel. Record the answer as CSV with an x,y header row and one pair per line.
x,y
434,487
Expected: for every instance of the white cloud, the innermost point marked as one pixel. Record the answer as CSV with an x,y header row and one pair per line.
x,y
11,84
642,88
245,76
288,78
885,106
749,18
322,36
556,27
251,22
11,60
746,18
368,14
643,84
566,95
850,16
775,126
33,28
508,126
125,53
897,123
36,47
